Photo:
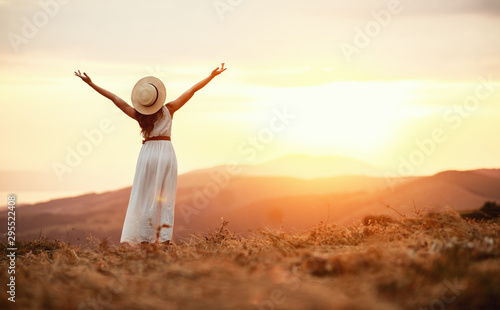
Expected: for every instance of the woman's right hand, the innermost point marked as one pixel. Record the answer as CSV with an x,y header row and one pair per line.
x,y
84,77
218,71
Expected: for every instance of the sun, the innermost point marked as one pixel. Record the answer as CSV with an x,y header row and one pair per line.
x,y
351,118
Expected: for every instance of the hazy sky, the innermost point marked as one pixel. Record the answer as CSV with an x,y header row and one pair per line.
x,y
370,80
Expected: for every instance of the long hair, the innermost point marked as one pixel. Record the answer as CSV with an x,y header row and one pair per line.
x,y
147,122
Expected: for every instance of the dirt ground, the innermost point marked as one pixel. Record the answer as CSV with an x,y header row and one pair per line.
x,y
432,261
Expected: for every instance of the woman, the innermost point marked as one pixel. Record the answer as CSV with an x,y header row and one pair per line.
x,y
150,212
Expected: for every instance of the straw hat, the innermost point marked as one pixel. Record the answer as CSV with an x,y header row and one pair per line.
x,y
148,95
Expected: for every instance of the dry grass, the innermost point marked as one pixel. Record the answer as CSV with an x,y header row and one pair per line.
x,y
432,261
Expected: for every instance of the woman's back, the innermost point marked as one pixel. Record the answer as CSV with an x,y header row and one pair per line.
x,y
162,126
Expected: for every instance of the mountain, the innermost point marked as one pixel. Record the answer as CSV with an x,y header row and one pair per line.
x,y
309,167
44,185
495,173
250,202
304,167
460,190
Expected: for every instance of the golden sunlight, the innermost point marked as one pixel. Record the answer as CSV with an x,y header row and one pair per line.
x,y
350,117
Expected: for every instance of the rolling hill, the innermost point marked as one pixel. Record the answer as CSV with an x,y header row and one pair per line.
x,y
250,202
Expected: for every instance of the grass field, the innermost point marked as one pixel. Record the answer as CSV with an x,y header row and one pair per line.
x,y
431,261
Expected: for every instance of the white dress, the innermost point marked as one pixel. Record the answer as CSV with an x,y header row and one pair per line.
x,y
152,198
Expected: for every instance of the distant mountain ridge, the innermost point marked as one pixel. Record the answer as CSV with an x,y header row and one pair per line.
x,y
298,166
304,167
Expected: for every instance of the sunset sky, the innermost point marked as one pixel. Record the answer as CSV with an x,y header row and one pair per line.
x,y
379,81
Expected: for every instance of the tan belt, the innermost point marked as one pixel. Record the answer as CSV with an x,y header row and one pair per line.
x,y
156,138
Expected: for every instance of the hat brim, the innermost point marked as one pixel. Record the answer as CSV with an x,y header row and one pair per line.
x,y
162,95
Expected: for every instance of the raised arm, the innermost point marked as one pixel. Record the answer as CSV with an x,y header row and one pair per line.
x,y
179,102
120,103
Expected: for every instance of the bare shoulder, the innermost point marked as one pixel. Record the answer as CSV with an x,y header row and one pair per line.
x,y
170,108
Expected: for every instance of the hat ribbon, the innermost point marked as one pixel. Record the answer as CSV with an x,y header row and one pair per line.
x,y
156,94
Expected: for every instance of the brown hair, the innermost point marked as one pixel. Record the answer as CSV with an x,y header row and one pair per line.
x,y
147,122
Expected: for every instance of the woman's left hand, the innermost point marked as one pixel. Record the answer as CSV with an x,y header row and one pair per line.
x,y
218,70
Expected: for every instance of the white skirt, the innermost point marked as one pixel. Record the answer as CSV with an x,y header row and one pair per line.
x,y
152,199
